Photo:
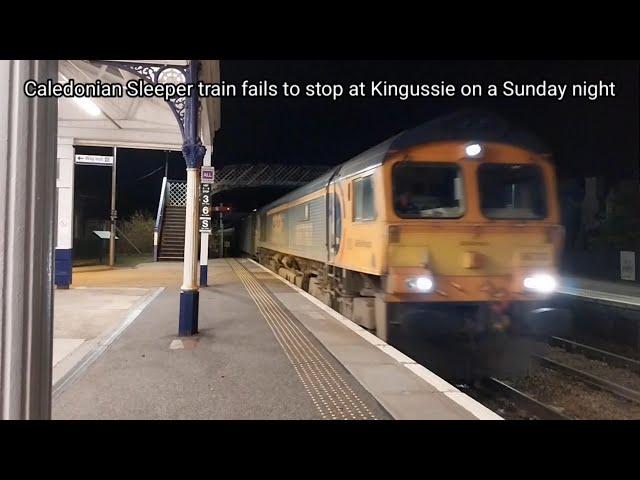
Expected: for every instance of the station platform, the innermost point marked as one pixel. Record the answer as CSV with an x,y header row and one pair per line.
x,y
620,294
265,350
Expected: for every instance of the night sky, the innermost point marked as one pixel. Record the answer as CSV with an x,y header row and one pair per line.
x,y
587,137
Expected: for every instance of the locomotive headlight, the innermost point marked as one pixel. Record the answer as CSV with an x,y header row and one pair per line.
x,y
541,282
473,150
421,284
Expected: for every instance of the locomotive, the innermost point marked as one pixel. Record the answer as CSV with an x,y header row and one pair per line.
x,y
457,218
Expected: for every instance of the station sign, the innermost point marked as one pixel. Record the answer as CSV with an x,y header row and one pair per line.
x,y
94,160
207,175
205,200
205,225
205,208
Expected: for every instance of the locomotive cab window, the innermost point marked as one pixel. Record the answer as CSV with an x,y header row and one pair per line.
x,y
509,191
427,190
363,201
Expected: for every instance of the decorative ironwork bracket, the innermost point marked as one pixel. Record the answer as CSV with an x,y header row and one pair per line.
x,y
156,73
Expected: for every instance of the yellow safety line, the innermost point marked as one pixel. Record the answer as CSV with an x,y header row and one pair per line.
x,y
318,356
311,349
329,392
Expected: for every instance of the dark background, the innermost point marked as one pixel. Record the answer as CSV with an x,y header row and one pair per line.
x,y
588,138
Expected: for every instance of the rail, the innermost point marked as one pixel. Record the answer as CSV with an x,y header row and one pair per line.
x,y
593,380
522,400
596,353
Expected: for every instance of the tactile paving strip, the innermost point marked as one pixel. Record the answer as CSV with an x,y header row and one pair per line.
x,y
332,396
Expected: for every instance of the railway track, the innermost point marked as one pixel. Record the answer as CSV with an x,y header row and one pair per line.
x,y
574,381
596,353
590,379
526,405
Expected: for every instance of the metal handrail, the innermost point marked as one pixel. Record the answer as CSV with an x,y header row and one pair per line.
x,y
157,231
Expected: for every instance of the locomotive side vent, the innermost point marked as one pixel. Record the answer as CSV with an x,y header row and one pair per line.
x,y
394,234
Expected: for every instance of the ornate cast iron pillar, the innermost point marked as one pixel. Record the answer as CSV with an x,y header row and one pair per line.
x,y
186,111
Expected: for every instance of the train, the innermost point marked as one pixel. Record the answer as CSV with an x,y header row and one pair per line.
x,y
457,218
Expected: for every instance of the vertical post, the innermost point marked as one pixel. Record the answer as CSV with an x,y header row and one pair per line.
x,y
112,236
64,230
28,135
204,239
221,234
193,152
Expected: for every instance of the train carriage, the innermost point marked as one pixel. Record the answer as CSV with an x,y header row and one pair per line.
x,y
460,212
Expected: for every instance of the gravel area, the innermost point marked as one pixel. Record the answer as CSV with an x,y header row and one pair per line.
x,y
575,399
621,376
609,346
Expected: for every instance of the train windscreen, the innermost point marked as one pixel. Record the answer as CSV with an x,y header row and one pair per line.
x,y
427,190
509,191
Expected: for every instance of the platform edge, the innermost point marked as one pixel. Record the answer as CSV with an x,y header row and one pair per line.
x,y
463,400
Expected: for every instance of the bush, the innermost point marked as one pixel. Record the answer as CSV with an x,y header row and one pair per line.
x,y
138,228
620,229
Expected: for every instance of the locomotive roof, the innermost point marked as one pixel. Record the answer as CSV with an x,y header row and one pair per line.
x,y
466,125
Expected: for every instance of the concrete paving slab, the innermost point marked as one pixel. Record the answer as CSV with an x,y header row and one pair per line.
x,y
237,370
387,378
82,316
357,352
64,346
424,406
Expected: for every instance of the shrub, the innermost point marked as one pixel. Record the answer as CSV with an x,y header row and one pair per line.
x,y
138,228
620,228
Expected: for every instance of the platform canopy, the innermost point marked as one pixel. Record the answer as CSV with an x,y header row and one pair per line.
x,y
129,122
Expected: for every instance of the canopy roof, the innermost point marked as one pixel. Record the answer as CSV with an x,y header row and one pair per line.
x,y
130,122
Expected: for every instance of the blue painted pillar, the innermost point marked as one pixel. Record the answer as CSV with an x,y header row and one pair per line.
x,y
64,221
193,152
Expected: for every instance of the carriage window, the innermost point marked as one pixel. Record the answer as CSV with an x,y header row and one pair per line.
x,y
427,190
263,228
509,191
363,201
